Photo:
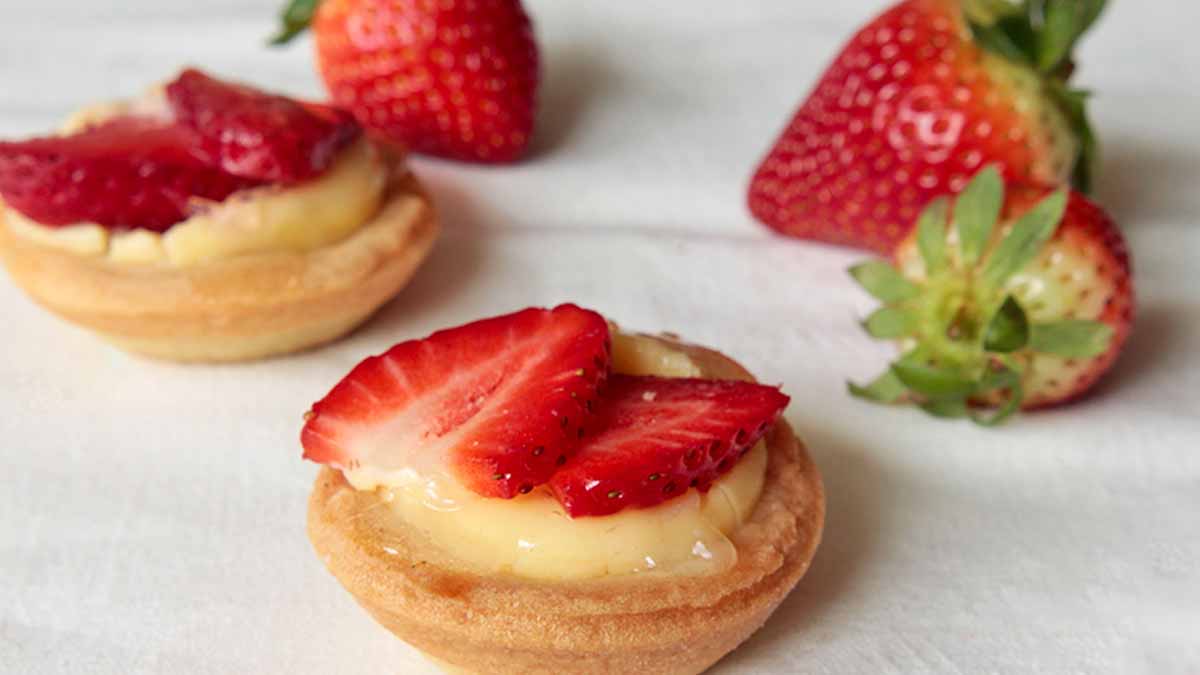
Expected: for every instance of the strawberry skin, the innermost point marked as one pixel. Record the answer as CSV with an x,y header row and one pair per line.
x,y
455,78
257,135
129,172
499,403
909,110
657,437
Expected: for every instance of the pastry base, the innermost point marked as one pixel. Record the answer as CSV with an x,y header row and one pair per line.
x,y
473,621
242,308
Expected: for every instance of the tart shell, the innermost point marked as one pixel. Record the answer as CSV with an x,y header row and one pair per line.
x,y
473,621
241,308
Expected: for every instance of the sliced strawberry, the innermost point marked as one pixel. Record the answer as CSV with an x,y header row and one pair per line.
x,y
499,403
257,135
659,436
129,172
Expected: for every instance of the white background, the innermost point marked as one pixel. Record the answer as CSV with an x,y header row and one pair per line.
x,y
152,515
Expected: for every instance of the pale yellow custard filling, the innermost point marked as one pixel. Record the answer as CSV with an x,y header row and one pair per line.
x,y
295,218
532,537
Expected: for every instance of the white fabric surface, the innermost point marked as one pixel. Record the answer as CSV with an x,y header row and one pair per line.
x,y
152,515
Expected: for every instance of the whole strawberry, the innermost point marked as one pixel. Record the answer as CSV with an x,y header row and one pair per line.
x,y
456,78
1017,303
920,99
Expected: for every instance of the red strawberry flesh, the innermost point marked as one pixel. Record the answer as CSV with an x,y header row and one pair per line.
x,y
657,437
257,135
132,171
499,403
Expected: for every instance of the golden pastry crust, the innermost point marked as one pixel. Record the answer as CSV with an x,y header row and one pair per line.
x,y
648,623
245,307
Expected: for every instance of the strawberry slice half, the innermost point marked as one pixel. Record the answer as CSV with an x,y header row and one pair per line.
x,y
657,437
257,135
499,403
129,172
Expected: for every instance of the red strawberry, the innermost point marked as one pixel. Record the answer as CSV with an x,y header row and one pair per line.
x,y
456,78
130,172
1025,315
917,101
656,437
257,135
498,403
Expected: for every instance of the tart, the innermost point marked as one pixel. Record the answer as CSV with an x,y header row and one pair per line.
x,y
489,562
207,221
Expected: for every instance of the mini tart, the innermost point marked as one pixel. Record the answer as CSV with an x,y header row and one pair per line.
x,y
241,307
639,623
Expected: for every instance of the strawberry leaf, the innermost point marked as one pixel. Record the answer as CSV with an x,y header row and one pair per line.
x,y
1008,378
884,281
1062,23
932,382
931,235
976,211
1073,103
1071,338
1060,26
951,408
1092,9
1008,329
296,18
987,11
1011,36
887,388
1026,239
890,322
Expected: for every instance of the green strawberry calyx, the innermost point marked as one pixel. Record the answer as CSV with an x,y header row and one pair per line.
x,y
295,19
966,339
1040,35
